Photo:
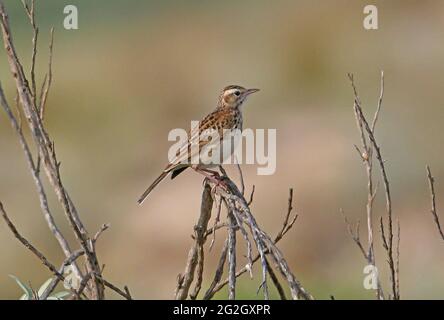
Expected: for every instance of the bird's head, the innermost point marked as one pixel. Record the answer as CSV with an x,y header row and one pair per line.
x,y
233,96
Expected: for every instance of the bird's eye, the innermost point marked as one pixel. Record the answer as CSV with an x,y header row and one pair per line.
x,y
237,93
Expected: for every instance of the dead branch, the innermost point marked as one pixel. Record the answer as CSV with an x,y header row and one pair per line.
x,y
219,272
185,280
366,155
369,146
285,228
239,219
46,155
264,244
38,182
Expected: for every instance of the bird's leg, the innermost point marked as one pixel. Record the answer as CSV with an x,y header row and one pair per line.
x,y
212,172
211,175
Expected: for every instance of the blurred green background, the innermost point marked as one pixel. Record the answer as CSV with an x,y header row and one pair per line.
x,y
135,69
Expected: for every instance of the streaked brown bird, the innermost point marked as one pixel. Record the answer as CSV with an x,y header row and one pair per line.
x,y
224,119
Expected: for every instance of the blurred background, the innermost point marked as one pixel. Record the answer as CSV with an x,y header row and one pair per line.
x,y
136,69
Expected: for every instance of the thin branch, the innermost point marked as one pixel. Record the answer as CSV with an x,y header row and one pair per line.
x,y
378,109
275,281
19,113
354,234
231,256
199,272
30,11
26,243
126,294
251,196
219,272
102,229
239,226
433,210
241,178
215,228
384,239
68,261
30,247
83,285
215,225
48,79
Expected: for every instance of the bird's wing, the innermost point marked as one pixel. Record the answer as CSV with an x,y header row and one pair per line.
x,y
197,140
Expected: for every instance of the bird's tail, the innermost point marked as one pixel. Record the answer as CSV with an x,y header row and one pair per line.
x,y
151,187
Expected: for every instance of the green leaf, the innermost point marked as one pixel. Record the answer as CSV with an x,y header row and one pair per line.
x,y
28,292
44,286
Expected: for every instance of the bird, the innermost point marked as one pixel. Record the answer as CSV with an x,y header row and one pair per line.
x,y
226,117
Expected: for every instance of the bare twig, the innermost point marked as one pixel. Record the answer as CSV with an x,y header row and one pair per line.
x,y
48,79
102,229
431,180
126,294
215,228
378,109
251,196
30,11
354,234
241,178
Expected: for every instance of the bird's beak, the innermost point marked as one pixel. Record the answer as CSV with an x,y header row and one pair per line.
x,y
250,91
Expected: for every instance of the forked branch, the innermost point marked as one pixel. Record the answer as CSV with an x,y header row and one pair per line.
x,y
370,147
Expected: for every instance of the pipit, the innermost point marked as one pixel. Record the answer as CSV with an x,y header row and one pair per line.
x,y
194,153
